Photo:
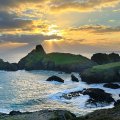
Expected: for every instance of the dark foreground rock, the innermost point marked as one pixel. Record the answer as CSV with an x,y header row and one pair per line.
x,y
117,103
55,78
74,78
98,95
15,113
112,86
41,115
106,114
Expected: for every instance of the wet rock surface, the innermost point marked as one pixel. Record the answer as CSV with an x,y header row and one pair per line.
x,y
55,78
112,86
74,78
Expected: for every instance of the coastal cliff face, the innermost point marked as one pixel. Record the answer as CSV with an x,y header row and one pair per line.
x,y
39,60
106,73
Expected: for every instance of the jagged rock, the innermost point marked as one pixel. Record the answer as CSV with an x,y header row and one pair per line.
x,y
112,86
98,95
55,78
74,79
40,49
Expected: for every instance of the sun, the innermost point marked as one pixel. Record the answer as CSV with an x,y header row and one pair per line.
x,y
54,30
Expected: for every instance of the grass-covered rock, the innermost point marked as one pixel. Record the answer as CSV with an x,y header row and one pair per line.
x,y
102,73
39,60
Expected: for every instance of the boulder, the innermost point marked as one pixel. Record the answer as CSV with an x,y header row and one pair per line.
x,y
74,79
15,113
98,95
55,78
112,86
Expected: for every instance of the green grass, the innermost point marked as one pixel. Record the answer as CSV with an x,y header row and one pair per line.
x,y
65,58
33,58
106,66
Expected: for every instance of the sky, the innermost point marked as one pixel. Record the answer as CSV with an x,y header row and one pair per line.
x,y
71,26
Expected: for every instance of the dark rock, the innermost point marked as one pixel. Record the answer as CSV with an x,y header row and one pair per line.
x,y
117,103
98,95
40,49
8,66
103,58
15,113
74,79
55,78
100,58
112,86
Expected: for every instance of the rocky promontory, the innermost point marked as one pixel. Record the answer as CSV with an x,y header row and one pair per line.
x,y
38,59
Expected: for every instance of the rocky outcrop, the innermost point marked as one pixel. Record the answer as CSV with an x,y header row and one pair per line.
x,y
55,78
66,62
8,66
98,95
103,58
33,60
40,115
74,79
102,73
112,86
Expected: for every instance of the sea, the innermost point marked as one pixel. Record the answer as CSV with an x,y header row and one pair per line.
x,y
28,91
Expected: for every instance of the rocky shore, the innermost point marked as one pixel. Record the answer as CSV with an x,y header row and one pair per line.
x,y
106,114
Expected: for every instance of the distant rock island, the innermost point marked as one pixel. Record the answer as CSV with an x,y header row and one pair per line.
x,y
38,59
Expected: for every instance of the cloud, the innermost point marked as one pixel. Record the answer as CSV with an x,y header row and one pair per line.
x,y
31,39
97,29
11,21
57,5
81,5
